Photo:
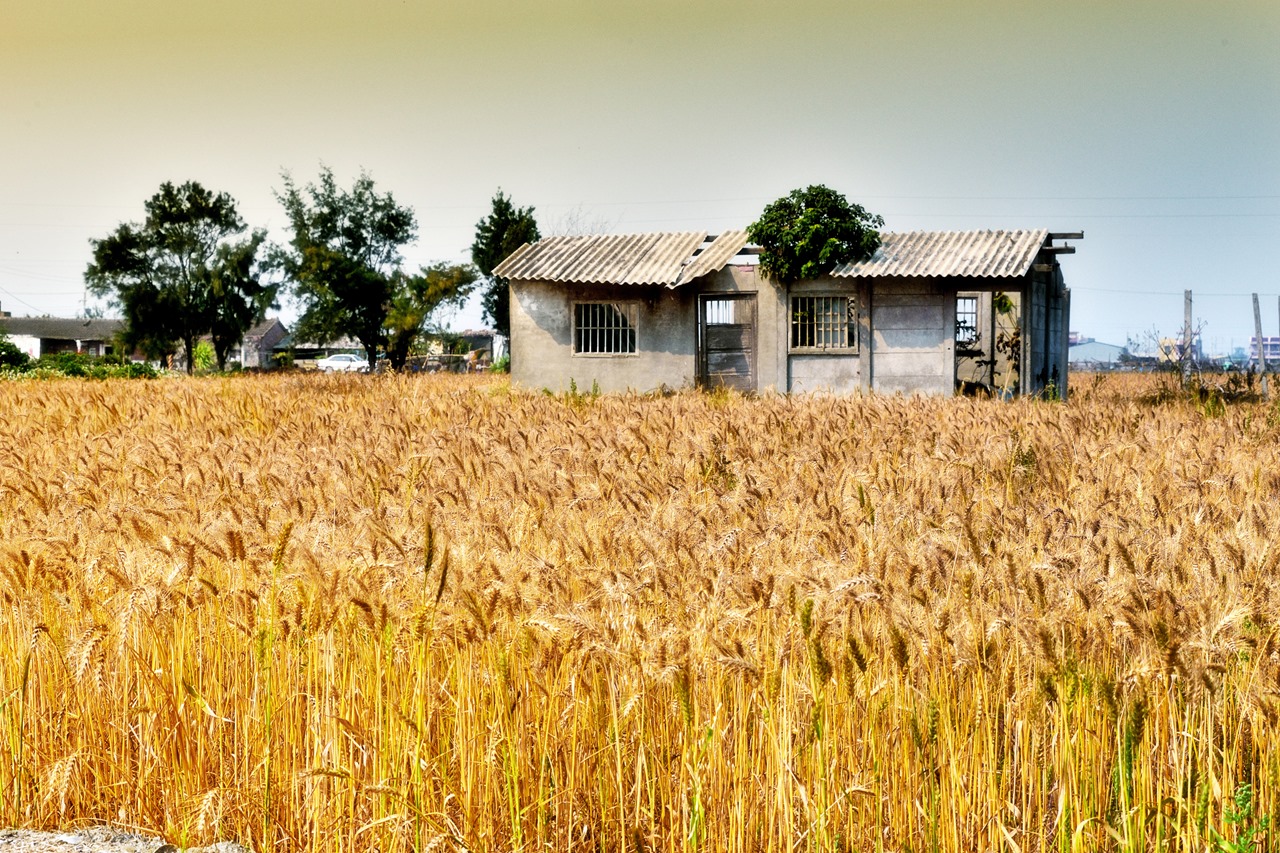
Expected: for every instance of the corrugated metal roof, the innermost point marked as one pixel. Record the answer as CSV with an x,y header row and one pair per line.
x,y
950,253
715,256
657,258
668,258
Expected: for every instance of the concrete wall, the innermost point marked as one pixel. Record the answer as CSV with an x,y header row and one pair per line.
x,y
542,353
913,337
27,343
835,374
1046,319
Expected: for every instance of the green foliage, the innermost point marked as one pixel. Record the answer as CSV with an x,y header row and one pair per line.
x,y
70,365
504,230
1249,830
343,258
415,300
181,273
66,363
808,232
204,356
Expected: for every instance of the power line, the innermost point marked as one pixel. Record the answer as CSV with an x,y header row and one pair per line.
x,y
22,301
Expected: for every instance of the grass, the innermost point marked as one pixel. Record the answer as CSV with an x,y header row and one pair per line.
x,y
353,613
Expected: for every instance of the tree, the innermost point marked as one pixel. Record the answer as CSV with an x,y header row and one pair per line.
x,y
344,257
238,299
809,232
416,299
504,230
180,269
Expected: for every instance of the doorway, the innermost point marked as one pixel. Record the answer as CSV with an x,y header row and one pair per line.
x,y
727,341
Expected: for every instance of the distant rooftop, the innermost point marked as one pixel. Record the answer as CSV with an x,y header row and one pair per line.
x,y
57,328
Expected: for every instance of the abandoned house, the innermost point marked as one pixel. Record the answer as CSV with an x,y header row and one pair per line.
x,y
929,313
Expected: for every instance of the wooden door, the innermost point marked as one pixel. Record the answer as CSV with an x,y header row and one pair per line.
x,y
727,341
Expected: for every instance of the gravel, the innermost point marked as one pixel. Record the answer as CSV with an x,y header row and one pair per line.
x,y
100,839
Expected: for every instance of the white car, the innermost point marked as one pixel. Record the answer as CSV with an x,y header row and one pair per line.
x,y
342,363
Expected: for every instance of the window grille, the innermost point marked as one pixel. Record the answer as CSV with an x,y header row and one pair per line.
x,y
966,320
823,322
604,328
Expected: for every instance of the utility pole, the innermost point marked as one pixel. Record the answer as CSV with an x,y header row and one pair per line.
x,y
1262,356
1186,338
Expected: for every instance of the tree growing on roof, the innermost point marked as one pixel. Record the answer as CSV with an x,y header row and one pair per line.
x,y
181,273
344,257
808,232
504,230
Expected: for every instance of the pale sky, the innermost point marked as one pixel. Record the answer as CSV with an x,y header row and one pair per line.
x,y
1154,127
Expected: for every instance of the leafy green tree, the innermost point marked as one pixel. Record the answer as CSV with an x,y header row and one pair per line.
x,y
163,272
416,299
504,230
344,257
238,298
808,232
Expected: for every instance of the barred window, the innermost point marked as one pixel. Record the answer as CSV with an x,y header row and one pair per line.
x,y
604,328
966,320
824,322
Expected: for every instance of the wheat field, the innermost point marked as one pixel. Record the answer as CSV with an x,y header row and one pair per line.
x,y
357,613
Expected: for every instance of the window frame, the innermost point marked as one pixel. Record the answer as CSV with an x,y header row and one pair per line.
x,y
975,340
852,324
629,309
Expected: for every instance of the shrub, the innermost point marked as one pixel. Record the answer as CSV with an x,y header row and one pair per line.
x,y
12,358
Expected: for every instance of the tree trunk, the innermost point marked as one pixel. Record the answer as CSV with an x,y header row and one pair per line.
x,y
398,350
189,344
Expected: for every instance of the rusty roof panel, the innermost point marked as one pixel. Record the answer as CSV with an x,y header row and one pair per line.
x,y
930,254
715,256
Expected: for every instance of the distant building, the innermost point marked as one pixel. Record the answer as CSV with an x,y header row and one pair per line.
x,y
37,336
1169,350
257,350
1094,354
1270,349
485,341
